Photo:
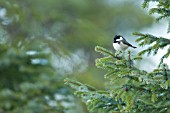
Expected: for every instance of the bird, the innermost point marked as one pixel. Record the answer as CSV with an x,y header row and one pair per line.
x,y
120,43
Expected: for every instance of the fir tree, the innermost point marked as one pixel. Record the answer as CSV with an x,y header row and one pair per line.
x,y
129,88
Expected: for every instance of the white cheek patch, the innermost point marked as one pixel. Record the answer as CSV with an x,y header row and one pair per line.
x,y
119,39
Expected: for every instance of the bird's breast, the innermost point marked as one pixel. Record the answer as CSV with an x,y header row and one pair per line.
x,y
120,46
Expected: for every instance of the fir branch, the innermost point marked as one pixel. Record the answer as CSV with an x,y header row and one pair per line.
x,y
74,84
167,54
104,65
145,51
160,43
164,56
165,72
137,58
131,77
168,27
109,74
103,51
129,60
162,17
145,4
139,39
159,11
145,38
106,59
163,9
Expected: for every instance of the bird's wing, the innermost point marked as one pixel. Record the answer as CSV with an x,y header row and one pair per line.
x,y
127,43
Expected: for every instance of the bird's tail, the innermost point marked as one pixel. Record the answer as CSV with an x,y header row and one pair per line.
x,y
133,47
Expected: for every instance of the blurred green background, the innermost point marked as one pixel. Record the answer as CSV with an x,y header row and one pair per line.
x,y
44,41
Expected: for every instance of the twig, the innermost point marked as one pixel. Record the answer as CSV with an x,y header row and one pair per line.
x,y
129,59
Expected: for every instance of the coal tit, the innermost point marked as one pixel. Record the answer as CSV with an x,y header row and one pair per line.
x,y
119,43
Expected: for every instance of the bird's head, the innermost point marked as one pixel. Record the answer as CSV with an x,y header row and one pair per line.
x,y
117,38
